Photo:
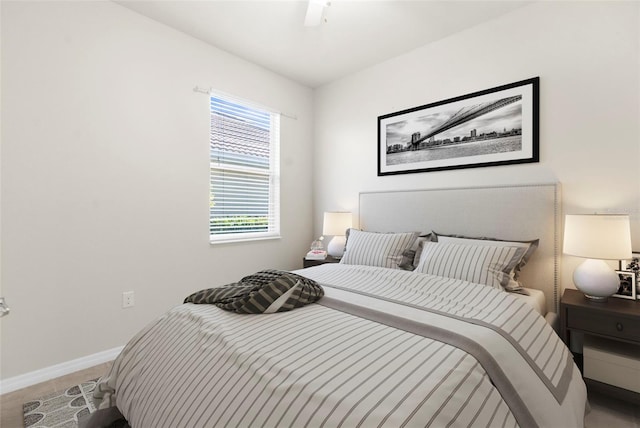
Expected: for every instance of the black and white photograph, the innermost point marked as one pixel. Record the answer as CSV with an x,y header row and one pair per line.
x,y
633,265
627,289
497,126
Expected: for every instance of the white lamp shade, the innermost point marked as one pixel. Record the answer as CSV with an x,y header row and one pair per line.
x,y
336,223
597,236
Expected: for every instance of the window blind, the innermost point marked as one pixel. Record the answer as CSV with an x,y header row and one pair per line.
x,y
244,171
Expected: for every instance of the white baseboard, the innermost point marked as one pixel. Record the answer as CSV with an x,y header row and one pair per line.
x,y
52,372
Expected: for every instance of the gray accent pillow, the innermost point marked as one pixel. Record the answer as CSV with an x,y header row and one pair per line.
x,y
407,260
411,257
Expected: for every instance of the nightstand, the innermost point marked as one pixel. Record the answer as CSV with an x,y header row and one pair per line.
x,y
308,263
616,321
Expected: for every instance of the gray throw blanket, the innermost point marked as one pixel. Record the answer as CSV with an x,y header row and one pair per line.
x,y
266,291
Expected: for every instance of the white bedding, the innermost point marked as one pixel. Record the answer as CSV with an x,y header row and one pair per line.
x,y
536,299
383,348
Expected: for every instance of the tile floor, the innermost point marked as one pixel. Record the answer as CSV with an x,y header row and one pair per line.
x,y
605,412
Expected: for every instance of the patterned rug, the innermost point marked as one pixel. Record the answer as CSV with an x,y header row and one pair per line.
x,y
60,409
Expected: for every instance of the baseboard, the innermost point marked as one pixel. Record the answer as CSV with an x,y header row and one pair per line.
x,y
28,379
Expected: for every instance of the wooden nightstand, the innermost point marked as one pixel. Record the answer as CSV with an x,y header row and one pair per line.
x,y
615,320
308,263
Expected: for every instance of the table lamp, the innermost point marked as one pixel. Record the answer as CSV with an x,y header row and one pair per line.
x,y
597,237
336,224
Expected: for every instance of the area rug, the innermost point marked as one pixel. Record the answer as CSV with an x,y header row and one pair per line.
x,y
60,409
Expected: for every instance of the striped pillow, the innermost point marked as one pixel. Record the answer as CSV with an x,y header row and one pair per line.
x,y
377,249
483,264
531,245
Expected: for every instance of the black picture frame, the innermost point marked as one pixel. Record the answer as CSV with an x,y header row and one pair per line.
x,y
497,126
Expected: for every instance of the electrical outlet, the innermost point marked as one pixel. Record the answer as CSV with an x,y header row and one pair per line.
x,y
127,299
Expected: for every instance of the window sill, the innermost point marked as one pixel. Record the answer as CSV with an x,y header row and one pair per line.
x,y
237,239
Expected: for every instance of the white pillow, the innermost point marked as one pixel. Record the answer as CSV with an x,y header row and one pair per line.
x,y
483,264
529,246
377,249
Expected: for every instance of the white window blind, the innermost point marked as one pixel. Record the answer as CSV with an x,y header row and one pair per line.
x,y
244,171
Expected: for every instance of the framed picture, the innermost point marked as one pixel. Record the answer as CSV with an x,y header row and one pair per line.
x,y
633,265
627,289
497,126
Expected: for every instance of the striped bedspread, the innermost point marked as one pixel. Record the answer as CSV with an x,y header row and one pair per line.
x,y
382,348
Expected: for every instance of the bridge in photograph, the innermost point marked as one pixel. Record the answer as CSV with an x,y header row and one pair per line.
x,y
463,115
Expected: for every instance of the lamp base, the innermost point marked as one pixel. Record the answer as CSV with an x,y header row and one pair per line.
x,y
336,247
596,280
596,298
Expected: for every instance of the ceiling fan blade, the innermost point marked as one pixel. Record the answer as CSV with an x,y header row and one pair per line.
x,y
315,10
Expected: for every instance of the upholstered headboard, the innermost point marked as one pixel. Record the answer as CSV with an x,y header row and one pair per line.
x,y
521,212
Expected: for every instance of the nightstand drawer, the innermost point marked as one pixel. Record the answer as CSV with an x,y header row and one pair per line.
x,y
602,323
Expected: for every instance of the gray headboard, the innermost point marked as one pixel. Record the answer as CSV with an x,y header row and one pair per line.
x,y
520,212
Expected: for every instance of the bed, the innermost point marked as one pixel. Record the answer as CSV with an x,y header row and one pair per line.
x,y
441,343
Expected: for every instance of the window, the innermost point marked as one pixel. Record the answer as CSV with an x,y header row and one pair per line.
x,y
244,171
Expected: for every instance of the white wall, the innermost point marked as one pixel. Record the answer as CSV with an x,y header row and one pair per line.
x,y
105,176
587,56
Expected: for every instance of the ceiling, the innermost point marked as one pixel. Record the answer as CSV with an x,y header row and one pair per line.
x,y
356,33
